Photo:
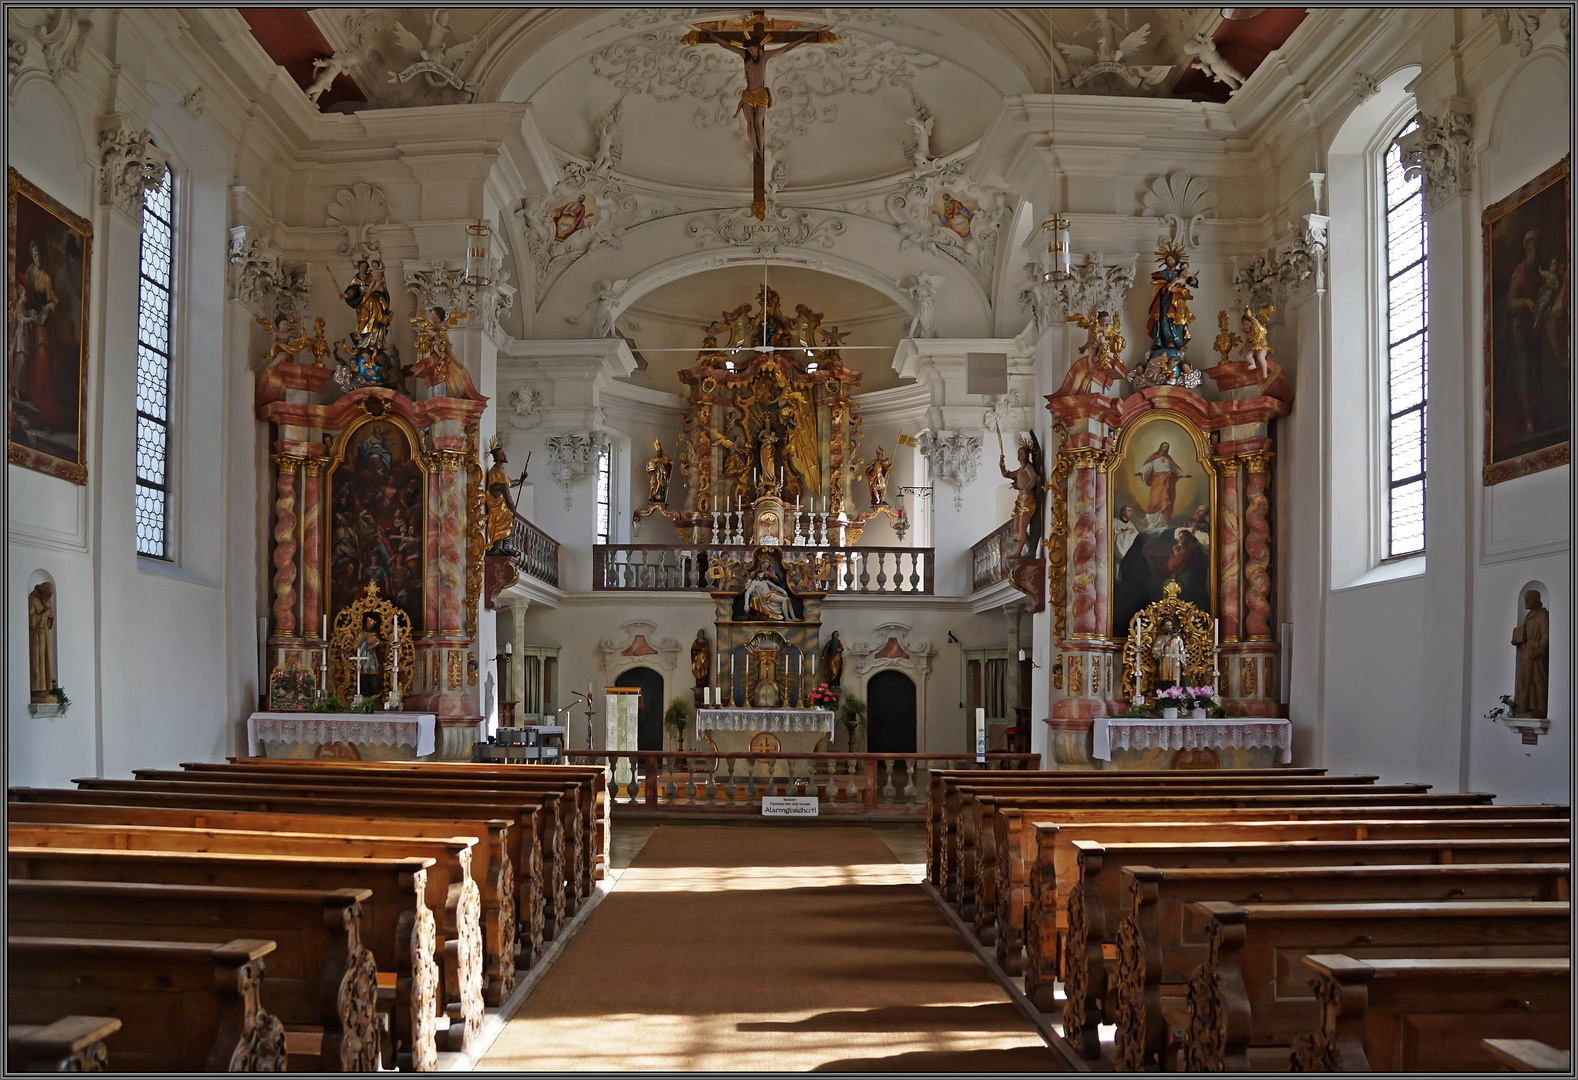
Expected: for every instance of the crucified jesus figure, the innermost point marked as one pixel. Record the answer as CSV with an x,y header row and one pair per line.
x,y
750,45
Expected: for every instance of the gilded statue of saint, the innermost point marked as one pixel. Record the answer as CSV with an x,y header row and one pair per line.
x,y
1026,480
877,479
1168,650
659,467
501,511
700,658
833,661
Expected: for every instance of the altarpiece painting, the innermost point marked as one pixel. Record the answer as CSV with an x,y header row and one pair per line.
x,y
378,499
48,257
1528,333
1163,499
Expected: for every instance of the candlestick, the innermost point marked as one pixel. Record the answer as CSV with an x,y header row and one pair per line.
x,y
325,629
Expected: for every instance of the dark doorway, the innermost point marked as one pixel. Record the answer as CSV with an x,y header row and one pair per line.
x,y
891,705
649,717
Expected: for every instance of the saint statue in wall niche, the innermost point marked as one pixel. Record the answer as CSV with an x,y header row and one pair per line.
x,y
1533,641
833,661
700,658
41,642
659,468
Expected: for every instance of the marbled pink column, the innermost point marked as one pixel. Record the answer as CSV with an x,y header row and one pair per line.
x,y
1103,556
285,546
451,552
1228,541
1257,548
435,482
1084,582
312,547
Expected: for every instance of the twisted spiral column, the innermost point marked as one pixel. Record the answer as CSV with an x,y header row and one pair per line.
x,y
285,545
1257,546
1229,541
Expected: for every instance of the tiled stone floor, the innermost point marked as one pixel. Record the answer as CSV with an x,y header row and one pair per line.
x,y
906,841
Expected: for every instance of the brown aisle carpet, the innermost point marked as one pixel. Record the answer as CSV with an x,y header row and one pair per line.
x,y
768,949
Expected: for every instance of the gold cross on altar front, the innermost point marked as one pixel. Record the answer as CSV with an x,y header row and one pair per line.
x,y
750,44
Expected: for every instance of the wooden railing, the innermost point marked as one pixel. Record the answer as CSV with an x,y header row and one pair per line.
x,y
539,552
989,556
666,568
892,785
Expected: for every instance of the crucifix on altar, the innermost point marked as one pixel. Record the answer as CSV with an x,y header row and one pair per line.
x,y
749,43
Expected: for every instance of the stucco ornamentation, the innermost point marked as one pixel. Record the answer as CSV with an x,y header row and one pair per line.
x,y
1182,202
952,457
572,456
1441,150
130,165
262,279
355,212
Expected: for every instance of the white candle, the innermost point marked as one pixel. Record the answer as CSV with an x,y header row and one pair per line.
x,y
325,627
509,648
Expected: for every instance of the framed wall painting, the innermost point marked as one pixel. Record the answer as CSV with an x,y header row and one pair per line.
x,y
1528,329
49,253
1162,498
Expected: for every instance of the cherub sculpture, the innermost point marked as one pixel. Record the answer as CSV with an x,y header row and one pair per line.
x,y
1257,351
920,154
284,340
435,60
438,363
1210,61
1097,366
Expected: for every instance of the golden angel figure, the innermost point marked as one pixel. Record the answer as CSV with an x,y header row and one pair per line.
x,y
1257,351
284,340
1097,366
438,363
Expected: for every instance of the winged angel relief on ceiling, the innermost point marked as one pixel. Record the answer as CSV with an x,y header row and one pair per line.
x,y
933,205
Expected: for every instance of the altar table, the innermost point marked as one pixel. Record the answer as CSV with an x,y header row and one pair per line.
x,y
776,721
1109,734
383,736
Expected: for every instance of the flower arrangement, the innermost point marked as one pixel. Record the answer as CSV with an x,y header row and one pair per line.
x,y
820,697
1503,711
1200,697
1173,697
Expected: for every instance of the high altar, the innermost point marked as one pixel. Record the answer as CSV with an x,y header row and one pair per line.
x,y
380,523
1161,493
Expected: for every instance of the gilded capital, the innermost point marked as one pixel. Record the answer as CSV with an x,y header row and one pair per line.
x,y
315,466
1088,457
288,462
1257,461
1228,465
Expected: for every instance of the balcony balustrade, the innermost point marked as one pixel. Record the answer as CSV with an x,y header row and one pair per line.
x,y
539,552
664,568
989,556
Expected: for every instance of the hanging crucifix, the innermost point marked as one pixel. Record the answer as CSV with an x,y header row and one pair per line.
x,y
750,45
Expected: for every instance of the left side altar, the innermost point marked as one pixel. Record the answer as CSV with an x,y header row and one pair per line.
x,y
380,535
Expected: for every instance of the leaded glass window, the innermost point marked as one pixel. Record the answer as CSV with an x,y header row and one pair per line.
x,y
605,493
1407,355
155,306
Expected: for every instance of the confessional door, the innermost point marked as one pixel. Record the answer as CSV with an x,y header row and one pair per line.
x,y
649,717
890,700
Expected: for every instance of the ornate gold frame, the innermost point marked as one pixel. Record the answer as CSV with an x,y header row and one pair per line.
x,y
1203,457
1194,626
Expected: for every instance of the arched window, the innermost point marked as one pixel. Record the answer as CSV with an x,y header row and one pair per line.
x,y
1407,352
155,309
605,493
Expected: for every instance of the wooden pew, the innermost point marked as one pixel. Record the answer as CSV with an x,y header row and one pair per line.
x,y
1447,1007
941,829
183,1006
600,809
939,780
452,894
70,1044
563,850
1160,945
1528,1055
540,819
1252,963
491,866
397,925
1093,917
975,813
1054,859
531,841
320,975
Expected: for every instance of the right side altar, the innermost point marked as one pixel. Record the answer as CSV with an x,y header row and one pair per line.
x,y
1159,497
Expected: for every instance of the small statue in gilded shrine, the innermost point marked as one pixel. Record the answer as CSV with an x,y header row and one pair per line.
x,y
701,658
1026,479
438,364
1168,650
769,459
284,340
659,467
500,508
877,479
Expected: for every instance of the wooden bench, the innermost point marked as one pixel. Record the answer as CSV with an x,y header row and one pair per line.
x,y
319,976
1528,1055
540,844
1161,941
562,843
183,1006
938,828
941,826
397,925
452,894
1248,1002
1053,861
598,775
491,867
1093,915
1431,1014
70,1044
